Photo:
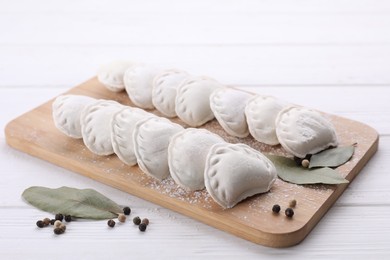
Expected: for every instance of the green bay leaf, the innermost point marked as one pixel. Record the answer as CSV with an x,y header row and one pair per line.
x,y
333,157
79,203
288,171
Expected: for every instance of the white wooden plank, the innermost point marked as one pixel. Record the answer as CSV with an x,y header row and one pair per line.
x,y
363,229
149,28
216,6
17,101
259,65
47,47
371,186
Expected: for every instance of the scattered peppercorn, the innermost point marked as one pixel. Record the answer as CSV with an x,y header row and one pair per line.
x,y
121,218
289,212
145,221
46,221
68,218
293,203
111,223
52,221
58,231
40,224
62,226
305,163
136,220
57,223
59,217
298,161
126,211
276,208
142,227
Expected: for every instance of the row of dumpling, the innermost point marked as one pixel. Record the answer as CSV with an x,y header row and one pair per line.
x,y
300,131
196,100
195,158
172,92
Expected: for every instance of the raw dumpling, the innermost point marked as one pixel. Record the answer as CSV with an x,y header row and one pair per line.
x,y
302,131
111,74
95,126
261,112
122,127
193,100
236,171
67,112
151,138
228,106
187,153
139,84
164,90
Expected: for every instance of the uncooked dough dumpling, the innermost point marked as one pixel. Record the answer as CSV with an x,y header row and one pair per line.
x,y
302,131
261,112
151,138
111,74
139,84
164,90
193,100
228,106
187,153
122,127
96,125
236,171
67,113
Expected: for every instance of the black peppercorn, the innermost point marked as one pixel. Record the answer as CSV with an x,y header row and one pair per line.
x,y
276,208
142,227
145,221
111,223
126,210
136,220
68,218
298,161
40,224
52,221
59,217
58,231
289,212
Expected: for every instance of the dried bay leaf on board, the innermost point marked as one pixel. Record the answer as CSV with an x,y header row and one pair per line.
x,y
333,157
288,171
79,203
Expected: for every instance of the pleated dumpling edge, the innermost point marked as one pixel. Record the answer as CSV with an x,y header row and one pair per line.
x,y
234,172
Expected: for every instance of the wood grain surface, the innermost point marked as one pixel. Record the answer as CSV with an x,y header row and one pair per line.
x,y
252,219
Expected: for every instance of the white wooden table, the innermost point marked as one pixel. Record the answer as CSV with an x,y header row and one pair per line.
x,y
330,55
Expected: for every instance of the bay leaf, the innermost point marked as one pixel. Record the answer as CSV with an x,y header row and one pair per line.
x,y
288,171
79,203
333,157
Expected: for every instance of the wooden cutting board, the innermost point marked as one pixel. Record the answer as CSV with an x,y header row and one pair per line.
x,y
35,133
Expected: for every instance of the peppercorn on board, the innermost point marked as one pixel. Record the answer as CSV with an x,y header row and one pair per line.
x,y
252,219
